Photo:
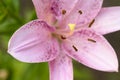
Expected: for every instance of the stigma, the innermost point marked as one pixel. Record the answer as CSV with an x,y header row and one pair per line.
x,y
71,27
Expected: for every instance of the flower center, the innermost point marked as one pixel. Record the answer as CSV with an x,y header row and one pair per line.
x,y
64,33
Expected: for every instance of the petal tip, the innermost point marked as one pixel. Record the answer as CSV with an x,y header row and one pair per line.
x,y
116,69
113,68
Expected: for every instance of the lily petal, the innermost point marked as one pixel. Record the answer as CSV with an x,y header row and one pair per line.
x,y
47,10
33,43
43,10
82,12
92,50
108,20
68,11
61,68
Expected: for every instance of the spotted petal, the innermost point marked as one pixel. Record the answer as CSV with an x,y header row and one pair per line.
x,y
48,10
33,43
108,20
92,50
61,68
82,12
67,11
43,10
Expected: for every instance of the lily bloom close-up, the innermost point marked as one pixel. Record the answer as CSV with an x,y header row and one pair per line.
x,y
66,30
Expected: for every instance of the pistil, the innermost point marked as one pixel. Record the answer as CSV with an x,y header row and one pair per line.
x,y
72,28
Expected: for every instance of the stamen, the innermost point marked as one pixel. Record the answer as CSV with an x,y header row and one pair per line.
x,y
63,12
91,40
91,23
80,12
75,48
63,37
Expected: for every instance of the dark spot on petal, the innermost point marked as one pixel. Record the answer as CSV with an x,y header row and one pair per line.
x,y
91,40
80,12
55,8
63,37
63,12
75,48
91,23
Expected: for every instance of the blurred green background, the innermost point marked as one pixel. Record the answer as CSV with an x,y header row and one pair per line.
x,y
15,13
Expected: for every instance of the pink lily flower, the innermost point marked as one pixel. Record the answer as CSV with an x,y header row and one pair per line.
x,y
66,30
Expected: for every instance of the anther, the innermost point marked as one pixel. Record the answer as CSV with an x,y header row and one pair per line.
x,y
63,37
75,48
91,23
63,12
80,12
91,40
